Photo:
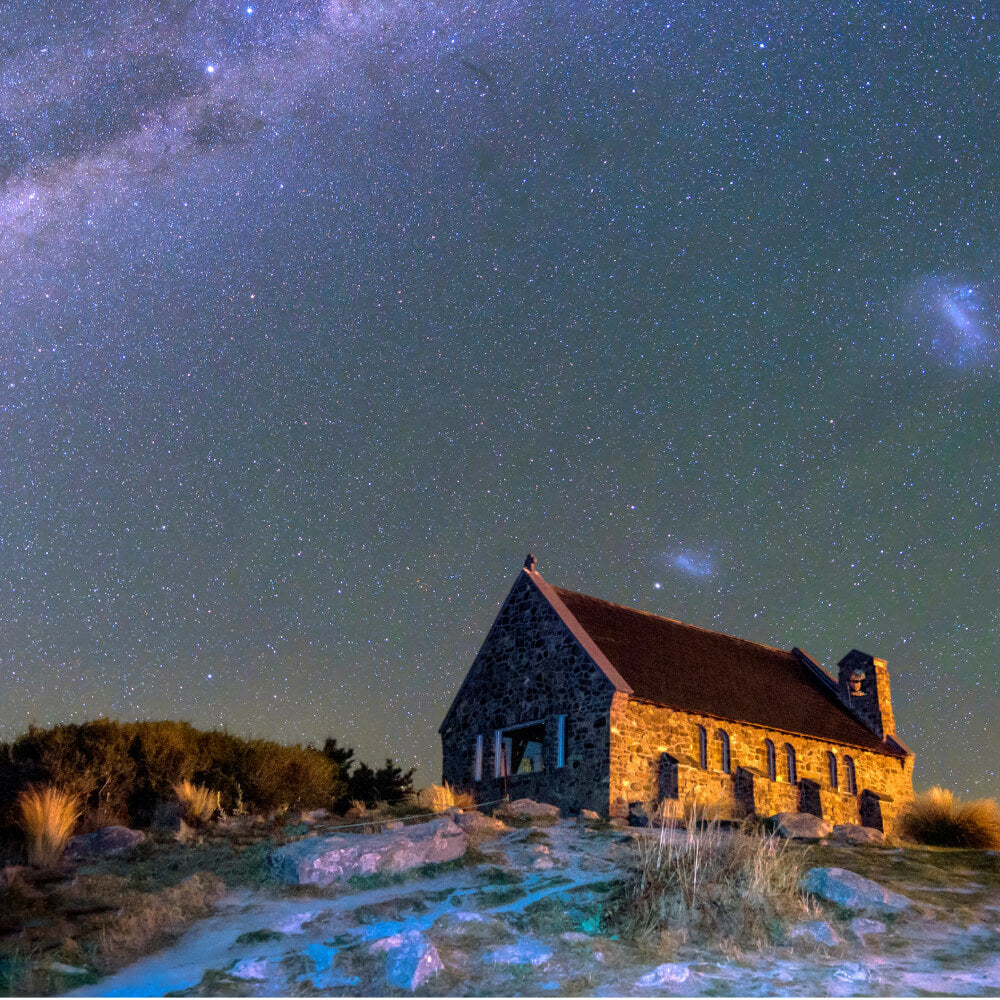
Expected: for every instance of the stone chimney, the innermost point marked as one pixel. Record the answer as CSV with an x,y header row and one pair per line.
x,y
863,686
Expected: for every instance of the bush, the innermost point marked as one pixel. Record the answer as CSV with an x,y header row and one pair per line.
x,y
198,804
729,885
47,815
940,819
437,798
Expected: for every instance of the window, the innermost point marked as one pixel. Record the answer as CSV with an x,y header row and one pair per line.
x,y
561,742
499,763
519,749
723,738
702,748
852,782
790,771
477,759
772,767
831,760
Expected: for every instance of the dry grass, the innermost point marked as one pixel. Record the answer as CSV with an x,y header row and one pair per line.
x,y
438,798
47,815
731,886
198,804
941,819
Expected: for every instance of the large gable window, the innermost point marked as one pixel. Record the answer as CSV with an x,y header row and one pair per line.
x,y
519,749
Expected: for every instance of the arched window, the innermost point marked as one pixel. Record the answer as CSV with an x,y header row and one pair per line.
x,y
702,748
723,737
831,763
772,766
790,770
852,781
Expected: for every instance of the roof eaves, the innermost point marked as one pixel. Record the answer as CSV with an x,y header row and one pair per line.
x,y
577,630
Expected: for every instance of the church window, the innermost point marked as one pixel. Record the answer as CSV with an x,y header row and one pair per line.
x,y
477,761
519,749
702,748
723,737
772,767
791,771
831,760
852,781
561,741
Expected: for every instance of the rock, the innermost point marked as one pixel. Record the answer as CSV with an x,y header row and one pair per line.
x,y
529,809
851,972
524,952
294,923
816,930
576,937
480,826
68,970
800,826
325,860
663,975
250,968
395,824
543,864
851,833
589,815
410,959
464,929
852,891
111,842
863,926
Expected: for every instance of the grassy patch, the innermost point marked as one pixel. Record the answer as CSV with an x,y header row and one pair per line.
x,y
941,819
709,883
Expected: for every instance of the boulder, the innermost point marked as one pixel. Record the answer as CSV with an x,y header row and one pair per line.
x,y
851,833
815,930
325,860
250,968
315,816
480,826
864,926
524,952
589,815
530,809
800,826
410,960
663,975
111,842
853,891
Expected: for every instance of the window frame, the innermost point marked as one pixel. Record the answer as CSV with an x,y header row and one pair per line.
x,y
772,760
791,765
477,759
702,748
725,761
851,775
831,765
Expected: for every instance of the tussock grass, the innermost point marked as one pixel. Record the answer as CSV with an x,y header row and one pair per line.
x,y
940,819
47,815
438,798
198,804
731,886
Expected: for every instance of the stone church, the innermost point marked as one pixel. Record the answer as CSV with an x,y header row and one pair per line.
x,y
587,704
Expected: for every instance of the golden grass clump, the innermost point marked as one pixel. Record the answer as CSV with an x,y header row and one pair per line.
x,y
707,880
47,816
198,804
940,819
438,798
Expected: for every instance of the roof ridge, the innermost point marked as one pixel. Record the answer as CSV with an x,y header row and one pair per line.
x,y
677,621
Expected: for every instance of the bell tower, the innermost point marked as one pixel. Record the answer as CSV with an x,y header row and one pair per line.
x,y
863,686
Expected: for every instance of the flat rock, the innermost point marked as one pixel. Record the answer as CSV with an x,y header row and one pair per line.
x,y
464,928
853,891
529,808
250,968
325,860
525,952
851,833
863,926
815,930
410,960
800,826
479,825
664,975
110,842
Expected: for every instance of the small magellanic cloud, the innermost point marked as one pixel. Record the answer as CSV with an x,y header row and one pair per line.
x,y
690,563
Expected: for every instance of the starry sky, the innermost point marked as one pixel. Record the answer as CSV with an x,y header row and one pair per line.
x,y
317,315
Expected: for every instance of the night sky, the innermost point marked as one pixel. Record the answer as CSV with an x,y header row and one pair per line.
x,y
317,316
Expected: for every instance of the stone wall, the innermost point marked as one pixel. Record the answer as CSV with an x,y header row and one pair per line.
x,y
647,740
532,669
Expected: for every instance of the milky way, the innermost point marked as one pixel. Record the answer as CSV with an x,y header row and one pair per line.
x,y
318,316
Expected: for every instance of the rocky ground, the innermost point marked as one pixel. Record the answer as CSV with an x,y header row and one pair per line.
x,y
521,914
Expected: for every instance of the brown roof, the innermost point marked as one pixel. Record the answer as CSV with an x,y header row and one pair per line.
x,y
690,668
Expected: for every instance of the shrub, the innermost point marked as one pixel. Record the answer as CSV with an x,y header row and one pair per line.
x,y
47,815
437,798
729,885
939,818
198,804
388,784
